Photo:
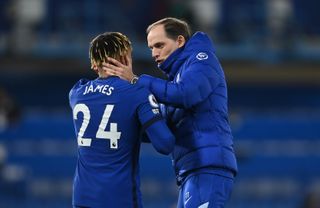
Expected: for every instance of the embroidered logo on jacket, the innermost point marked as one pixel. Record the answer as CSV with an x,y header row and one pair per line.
x,y
202,56
153,102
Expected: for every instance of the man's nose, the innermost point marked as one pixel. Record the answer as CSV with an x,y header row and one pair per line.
x,y
155,53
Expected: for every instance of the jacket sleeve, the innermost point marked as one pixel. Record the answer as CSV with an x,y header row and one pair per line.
x,y
153,126
194,85
161,137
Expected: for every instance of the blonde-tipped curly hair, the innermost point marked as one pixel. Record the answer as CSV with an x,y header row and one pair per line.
x,y
109,44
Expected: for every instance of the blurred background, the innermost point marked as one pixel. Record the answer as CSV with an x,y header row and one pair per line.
x,y
270,51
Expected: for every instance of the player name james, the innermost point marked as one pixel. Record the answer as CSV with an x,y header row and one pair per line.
x,y
104,89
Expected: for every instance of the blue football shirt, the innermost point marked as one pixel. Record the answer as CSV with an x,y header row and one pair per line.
x,y
109,115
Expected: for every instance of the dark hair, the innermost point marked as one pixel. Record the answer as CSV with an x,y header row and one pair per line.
x,y
173,27
109,44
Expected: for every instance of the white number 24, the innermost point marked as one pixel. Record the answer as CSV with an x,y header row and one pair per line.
x,y
113,135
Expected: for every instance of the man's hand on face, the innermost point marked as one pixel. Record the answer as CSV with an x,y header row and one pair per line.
x,y
121,69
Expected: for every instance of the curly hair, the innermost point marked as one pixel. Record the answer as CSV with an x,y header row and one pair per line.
x,y
109,44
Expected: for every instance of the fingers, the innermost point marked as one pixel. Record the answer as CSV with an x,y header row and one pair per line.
x,y
110,66
123,60
112,69
115,62
116,68
128,60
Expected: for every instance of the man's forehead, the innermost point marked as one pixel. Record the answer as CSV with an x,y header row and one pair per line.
x,y
156,35
156,31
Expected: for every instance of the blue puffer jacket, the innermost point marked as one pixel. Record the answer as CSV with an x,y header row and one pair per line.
x,y
195,97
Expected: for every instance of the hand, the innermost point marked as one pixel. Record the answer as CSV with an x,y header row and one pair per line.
x,y
121,69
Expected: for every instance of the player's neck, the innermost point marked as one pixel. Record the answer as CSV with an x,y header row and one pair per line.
x,y
102,74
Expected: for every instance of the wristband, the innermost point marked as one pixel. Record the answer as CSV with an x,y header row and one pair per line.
x,y
134,79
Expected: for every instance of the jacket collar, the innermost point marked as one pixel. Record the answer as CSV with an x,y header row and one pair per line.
x,y
169,66
199,41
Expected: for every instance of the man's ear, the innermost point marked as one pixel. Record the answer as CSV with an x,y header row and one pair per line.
x,y
181,41
94,67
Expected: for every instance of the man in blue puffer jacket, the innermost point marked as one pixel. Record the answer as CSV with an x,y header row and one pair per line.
x,y
196,107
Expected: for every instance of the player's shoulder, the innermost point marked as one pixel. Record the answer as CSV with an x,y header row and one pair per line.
x,y
80,83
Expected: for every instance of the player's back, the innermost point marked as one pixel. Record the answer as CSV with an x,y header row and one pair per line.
x,y
106,122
